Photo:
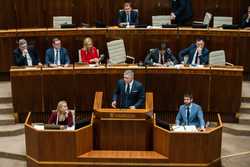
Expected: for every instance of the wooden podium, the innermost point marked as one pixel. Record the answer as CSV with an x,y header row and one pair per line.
x,y
121,137
123,129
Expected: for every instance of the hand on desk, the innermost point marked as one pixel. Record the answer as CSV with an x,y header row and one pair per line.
x,y
131,107
114,104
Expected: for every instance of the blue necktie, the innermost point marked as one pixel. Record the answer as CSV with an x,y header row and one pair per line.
x,y
57,56
188,115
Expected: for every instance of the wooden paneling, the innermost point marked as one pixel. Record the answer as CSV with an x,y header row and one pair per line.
x,y
137,132
211,87
39,13
58,85
137,42
28,95
30,13
8,16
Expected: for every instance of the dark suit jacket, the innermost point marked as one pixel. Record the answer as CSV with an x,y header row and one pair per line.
x,y
190,51
20,60
49,56
182,10
153,56
68,121
135,98
244,23
195,118
134,18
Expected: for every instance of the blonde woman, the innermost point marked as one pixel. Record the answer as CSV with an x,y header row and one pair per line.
x,y
62,116
89,54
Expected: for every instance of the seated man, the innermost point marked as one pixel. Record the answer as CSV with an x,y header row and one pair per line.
x,y
128,15
160,57
24,56
129,93
197,53
190,113
62,116
181,11
56,56
245,21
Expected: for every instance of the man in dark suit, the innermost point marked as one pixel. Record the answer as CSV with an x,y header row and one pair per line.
x,y
197,53
160,57
57,56
24,56
181,11
245,21
128,15
190,113
129,93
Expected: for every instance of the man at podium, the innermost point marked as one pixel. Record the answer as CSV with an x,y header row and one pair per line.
x,y
129,93
190,113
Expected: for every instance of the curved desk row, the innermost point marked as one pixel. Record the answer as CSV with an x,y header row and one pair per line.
x,y
137,41
115,141
40,89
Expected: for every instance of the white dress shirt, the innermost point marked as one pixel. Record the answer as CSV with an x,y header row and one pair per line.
x,y
58,60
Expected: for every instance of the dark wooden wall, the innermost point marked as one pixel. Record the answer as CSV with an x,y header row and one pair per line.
x,y
39,13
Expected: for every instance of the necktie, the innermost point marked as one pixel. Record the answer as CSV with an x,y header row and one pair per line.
x,y
197,59
162,58
128,17
127,89
57,56
188,115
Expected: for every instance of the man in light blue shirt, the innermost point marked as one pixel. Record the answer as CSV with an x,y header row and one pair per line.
x,y
190,113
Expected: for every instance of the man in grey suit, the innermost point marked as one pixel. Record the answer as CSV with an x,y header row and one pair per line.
x,y
129,93
57,56
190,113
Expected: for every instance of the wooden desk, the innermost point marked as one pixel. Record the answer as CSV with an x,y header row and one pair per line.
x,y
213,87
202,148
125,142
137,41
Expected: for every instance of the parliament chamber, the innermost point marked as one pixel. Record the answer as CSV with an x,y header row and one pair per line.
x,y
122,137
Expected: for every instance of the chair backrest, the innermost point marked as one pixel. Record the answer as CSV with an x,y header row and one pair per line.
x,y
219,21
117,52
79,56
158,21
217,57
59,20
186,59
207,18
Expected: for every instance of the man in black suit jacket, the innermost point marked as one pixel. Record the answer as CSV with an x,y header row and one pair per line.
x,y
24,56
181,11
160,57
197,53
129,93
128,15
57,55
245,21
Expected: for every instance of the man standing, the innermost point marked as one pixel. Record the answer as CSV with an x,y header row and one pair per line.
x,y
129,93
190,113
197,53
57,56
181,11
